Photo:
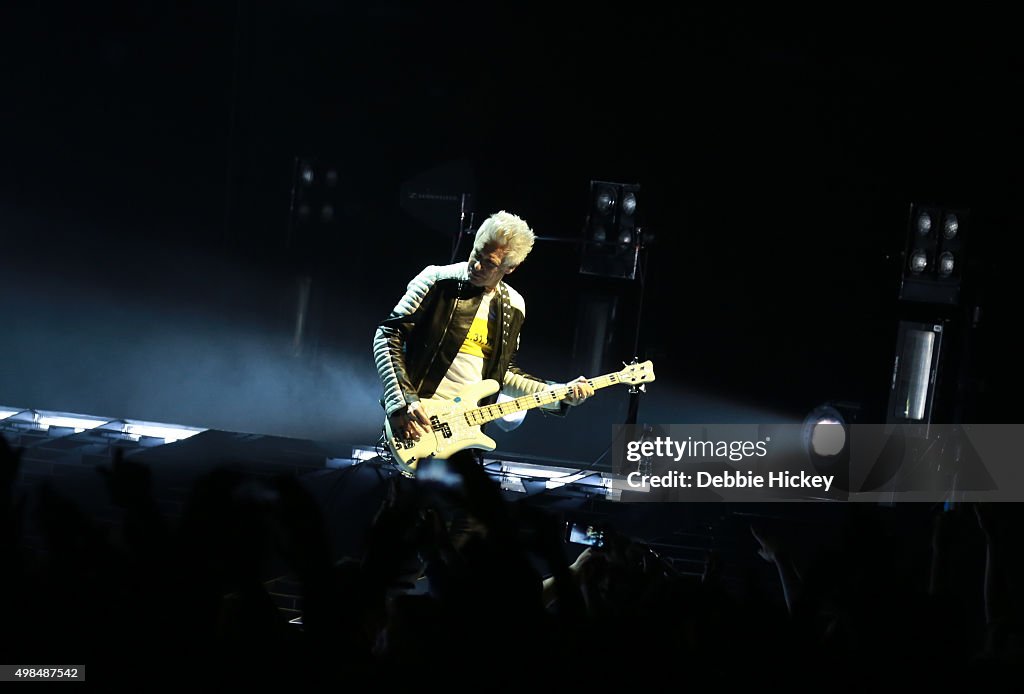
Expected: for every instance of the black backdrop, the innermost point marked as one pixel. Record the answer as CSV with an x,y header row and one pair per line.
x,y
148,160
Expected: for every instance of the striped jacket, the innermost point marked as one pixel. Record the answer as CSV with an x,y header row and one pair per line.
x,y
416,344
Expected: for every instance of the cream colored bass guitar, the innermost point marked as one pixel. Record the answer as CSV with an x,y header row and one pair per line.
x,y
455,424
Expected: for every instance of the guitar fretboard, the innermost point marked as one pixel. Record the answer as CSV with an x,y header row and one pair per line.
x,y
488,413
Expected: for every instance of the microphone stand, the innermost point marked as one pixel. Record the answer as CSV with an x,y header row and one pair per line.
x,y
635,390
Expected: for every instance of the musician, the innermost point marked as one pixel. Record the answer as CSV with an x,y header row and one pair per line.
x,y
459,324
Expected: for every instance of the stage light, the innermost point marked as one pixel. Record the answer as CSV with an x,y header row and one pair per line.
x,y
611,232
918,262
629,204
934,264
929,367
825,437
951,226
605,201
924,224
824,433
915,372
315,205
828,437
946,264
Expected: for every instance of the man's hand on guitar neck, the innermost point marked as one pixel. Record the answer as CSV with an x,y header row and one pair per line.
x,y
580,389
410,422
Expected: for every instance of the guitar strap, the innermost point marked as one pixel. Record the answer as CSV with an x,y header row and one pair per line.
x,y
504,316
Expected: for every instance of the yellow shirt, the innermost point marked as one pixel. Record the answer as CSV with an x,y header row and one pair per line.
x,y
468,365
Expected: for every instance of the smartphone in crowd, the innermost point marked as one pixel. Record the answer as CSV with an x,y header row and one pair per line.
x,y
584,534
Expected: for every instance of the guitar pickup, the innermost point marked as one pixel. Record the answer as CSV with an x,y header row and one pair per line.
x,y
403,444
437,425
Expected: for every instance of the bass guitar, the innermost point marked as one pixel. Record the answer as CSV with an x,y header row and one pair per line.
x,y
455,424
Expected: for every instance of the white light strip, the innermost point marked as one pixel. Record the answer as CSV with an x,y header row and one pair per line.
x,y
620,484
335,463
556,477
513,484
79,424
168,432
568,479
512,476
528,470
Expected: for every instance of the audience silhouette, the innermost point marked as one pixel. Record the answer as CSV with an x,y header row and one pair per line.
x,y
456,579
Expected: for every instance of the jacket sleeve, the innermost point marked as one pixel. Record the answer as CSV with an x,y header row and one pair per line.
x,y
389,343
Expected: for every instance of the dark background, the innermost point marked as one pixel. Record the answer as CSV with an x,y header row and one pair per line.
x,y
149,271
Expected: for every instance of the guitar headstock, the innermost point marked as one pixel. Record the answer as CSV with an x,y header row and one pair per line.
x,y
635,374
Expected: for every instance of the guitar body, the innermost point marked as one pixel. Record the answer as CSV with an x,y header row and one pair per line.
x,y
450,430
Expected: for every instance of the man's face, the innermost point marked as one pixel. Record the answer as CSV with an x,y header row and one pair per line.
x,y
485,266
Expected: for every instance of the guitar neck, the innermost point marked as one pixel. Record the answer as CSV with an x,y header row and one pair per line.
x,y
488,413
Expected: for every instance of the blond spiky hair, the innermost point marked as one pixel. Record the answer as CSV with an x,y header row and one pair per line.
x,y
508,231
